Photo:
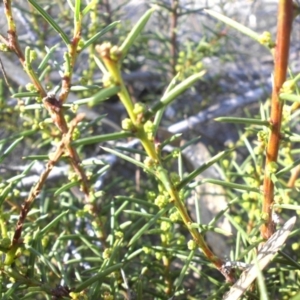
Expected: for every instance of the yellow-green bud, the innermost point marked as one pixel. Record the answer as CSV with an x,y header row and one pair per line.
x,y
139,108
149,127
175,153
115,53
3,47
106,253
288,87
175,217
72,176
80,45
166,237
119,234
104,49
128,125
249,169
165,226
149,162
161,201
30,87
192,245
266,39
107,80
258,150
262,136
75,134
272,167
253,195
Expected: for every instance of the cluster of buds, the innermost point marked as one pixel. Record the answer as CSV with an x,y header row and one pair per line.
x,y
262,137
161,201
288,87
266,39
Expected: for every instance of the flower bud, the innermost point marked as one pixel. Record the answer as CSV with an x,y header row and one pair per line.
x,y
191,245
127,125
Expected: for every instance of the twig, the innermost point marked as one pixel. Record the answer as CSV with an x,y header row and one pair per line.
x,y
37,188
71,55
53,106
285,18
16,241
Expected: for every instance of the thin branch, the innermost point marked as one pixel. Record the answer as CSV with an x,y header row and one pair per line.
x,y
35,192
285,18
37,188
53,106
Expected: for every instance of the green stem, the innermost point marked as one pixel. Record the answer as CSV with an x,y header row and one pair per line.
x,y
113,69
111,56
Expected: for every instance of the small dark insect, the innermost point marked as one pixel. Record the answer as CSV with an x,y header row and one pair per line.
x,y
60,291
53,102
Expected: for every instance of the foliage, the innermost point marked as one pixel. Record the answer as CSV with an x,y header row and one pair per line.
x,y
84,229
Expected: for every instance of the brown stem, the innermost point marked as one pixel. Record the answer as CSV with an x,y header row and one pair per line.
x,y
53,106
73,52
34,193
11,32
37,188
285,17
